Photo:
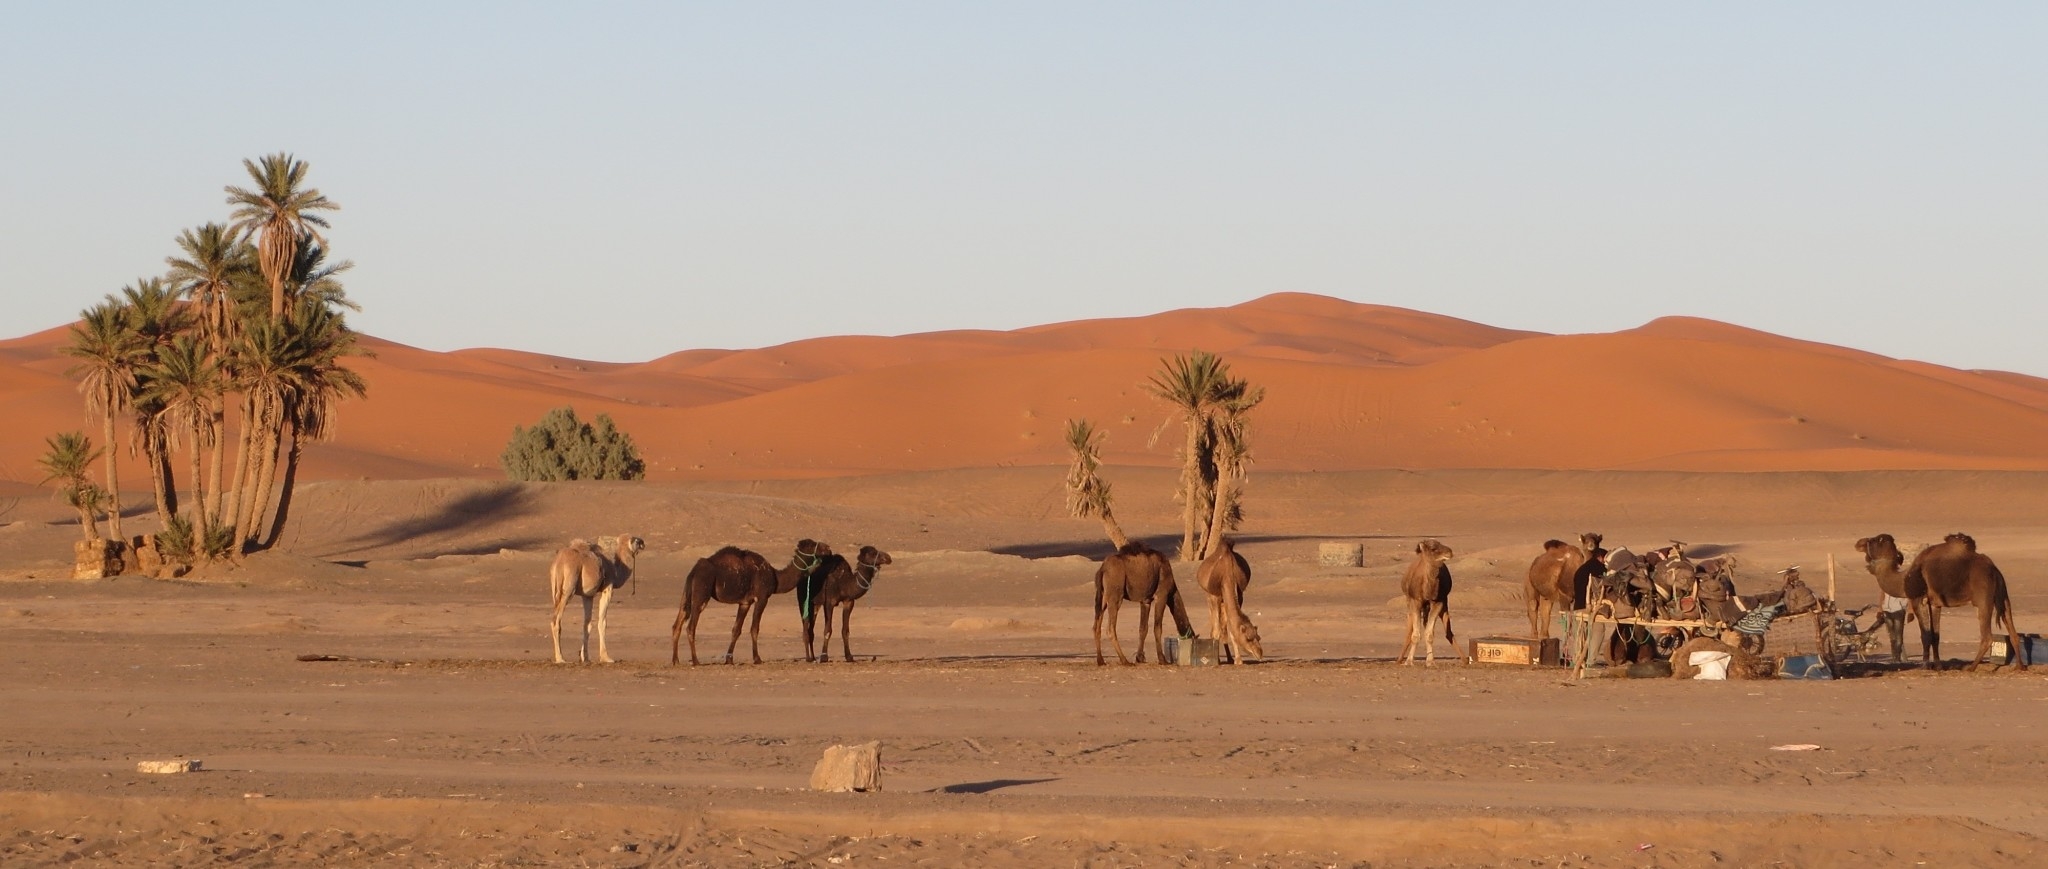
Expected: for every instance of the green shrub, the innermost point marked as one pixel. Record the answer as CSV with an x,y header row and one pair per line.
x,y
561,447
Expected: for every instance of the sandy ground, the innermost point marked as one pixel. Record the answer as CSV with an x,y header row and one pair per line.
x,y
451,740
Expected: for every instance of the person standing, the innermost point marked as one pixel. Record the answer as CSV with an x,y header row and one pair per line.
x,y
1892,611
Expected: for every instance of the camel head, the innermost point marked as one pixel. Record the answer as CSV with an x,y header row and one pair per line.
x,y
872,558
1433,550
1590,540
1880,554
630,546
1249,633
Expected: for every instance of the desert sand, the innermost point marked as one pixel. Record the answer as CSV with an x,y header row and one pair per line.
x,y
435,732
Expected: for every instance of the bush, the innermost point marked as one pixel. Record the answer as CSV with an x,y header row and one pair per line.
x,y
561,447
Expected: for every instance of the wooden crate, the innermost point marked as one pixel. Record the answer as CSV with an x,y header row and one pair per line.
x,y
1516,650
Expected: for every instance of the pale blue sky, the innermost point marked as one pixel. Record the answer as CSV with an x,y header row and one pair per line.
x,y
620,180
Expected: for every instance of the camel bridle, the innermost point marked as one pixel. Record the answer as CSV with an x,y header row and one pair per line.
x,y
868,581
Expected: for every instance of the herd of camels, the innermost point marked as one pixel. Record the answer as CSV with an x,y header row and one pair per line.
x,y
1947,574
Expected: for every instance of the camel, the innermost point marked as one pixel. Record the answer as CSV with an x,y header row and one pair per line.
x,y
737,576
837,582
1951,573
581,570
1224,575
1549,588
1427,586
1139,574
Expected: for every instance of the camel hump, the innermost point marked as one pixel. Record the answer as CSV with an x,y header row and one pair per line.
x,y
579,543
1133,548
1554,544
1966,540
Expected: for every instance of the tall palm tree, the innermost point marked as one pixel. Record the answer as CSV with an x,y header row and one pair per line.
x,y
270,362
1087,493
214,259
277,213
109,353
1200,387
322,384
68,461
185,382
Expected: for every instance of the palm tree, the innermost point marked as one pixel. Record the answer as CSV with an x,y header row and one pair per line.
x,y
267,360
1087,493
185,382
156,317
109,353
323,383
1201,388
67,462
277,213
214,260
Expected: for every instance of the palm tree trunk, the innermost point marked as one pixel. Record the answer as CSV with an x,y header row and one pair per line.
x,y
199,524
1115,531
1219,515
231,517
284,491
1191,490
219,413
159,476
113,475
266,473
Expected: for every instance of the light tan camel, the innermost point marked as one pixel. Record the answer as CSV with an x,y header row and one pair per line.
x,y
1951,573
1139,574
1224,576
1427,586
1549,588
836,582
737,576
580,569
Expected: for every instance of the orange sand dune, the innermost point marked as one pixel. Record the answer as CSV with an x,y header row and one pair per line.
x,y
1349,386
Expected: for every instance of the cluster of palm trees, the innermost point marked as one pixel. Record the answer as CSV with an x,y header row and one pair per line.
x,y
247,316
1212,404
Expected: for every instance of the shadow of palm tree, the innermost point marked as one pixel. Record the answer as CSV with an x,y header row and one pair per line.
x,y
487,506
1099,549
982,787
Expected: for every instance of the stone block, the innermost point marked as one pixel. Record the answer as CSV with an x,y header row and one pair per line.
x,y
849,768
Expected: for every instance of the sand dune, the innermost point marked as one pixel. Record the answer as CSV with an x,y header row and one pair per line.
x,y
1350,386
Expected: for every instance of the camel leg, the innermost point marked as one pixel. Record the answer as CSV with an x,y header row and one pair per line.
x,y
1429,635
583,651
760,609
555,625
1216,621
695,614
2012,636
1536,600
1408,642
1146,618
1159,630
824,652
604,605
1930,635
1101,604
1984,616
845,633
1116,643
739,622
675,635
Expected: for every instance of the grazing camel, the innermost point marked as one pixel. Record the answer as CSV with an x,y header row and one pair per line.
x,y
580,569
1549,588
1951,573
1427,586
1139,574
837,582
737,576
1224,575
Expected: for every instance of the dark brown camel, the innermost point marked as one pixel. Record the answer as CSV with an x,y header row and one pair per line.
x,y
1224,576
737,576
1951,573
1427,585
1139,574
1549,588
836,582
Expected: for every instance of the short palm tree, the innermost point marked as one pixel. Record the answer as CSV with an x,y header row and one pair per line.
x,y
321,382
277,212
186,382
1200,387
67,462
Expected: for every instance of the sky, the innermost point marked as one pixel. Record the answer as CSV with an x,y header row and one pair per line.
x,y
619,181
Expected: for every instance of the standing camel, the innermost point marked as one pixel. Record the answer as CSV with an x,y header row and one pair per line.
x,y
1427,586
1224,575
837,582
737,576
1951,573
1139,574
1549,588
580,569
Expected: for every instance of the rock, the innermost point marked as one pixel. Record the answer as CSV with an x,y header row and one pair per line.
x,y
167,766
1341,554
849,768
